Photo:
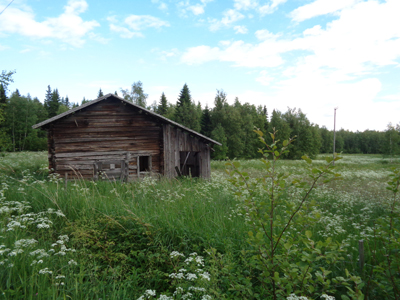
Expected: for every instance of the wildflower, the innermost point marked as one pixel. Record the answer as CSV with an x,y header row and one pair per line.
x,y
205,275
45,271
191,276
326,297
294,297
175,254
72,262
197,289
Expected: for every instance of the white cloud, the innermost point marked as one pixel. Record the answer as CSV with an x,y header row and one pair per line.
x,y
245,4
135,24
319,8
161,5
230,16
139,23
195,9
264,35
240,53
125,32
200,54
337,64
68,27
271,7
264,78
240,29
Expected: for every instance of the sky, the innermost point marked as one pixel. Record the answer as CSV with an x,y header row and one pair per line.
x,y
315,55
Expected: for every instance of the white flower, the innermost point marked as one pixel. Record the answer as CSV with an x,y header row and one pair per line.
x,y
45,271
72,262
175,254
205,275
326,297
191,276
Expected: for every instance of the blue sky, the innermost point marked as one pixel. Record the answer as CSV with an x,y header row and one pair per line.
x,y
310,54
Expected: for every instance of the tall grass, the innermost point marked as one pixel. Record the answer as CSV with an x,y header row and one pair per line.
x,y
121,233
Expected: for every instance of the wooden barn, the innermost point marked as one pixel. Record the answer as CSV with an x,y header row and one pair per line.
x,y
114,138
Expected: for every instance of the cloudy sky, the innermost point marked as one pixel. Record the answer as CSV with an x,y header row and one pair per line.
x,y
310,54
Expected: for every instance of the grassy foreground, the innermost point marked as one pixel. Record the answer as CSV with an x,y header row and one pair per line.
x,y
189,239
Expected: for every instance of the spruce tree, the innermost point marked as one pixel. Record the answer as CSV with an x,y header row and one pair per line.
x,y
186,112
54,103
100,94
66,103
163,105
206,127
47,100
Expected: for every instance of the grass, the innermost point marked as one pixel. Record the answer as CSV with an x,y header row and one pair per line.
x,y
120,234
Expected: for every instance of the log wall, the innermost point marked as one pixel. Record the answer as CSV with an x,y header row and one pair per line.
x,y
109,130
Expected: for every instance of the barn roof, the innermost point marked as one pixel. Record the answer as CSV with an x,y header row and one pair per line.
x,y
161,118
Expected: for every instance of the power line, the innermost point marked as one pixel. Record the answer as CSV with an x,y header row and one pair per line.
x,y
6,7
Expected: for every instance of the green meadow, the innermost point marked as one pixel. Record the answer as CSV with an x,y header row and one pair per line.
x,y
195,239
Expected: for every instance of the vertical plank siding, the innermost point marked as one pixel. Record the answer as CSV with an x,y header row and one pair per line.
x,y
177,140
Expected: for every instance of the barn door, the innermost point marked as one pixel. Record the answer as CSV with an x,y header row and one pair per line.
x,y
111,170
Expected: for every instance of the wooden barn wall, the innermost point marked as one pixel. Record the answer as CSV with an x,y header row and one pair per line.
x,y
176,140
107,131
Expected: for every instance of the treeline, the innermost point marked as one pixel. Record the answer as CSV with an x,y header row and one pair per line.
x,y
231,125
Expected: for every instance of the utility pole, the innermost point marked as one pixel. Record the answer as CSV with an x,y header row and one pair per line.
x,y
334,134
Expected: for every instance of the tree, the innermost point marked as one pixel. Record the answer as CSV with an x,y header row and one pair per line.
x,y
135,94
186,112
3,96
66,102
392,141
205,122
84,101
218,134
100,94
162,107
52,102
282,128
6,79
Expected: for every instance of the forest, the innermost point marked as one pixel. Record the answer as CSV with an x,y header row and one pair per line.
x,y
231,124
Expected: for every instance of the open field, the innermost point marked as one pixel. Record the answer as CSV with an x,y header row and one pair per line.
x,y
111,240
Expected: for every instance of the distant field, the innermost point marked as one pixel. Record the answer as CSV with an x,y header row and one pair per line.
x,y
112,240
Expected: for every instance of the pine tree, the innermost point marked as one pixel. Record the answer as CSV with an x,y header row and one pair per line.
x,y
100,94
115,93
163,105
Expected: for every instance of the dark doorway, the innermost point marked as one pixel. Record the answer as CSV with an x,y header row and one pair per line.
x,y
190,163
144,163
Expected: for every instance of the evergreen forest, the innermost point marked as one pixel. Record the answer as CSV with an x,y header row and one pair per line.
x,y
231,124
